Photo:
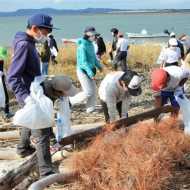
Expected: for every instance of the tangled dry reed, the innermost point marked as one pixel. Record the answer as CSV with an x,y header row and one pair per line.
x,y
139,159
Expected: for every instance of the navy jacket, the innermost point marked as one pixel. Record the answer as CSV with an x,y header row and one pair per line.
x,y
25,65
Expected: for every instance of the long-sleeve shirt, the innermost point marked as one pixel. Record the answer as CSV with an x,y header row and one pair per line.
x,y
86,57
25,66
111,93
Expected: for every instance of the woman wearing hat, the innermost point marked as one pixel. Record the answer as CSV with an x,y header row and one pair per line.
x,y
87,64
3,57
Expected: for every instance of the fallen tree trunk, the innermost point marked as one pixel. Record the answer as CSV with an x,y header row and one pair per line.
x,y
17,175
14,134
14,177
116,125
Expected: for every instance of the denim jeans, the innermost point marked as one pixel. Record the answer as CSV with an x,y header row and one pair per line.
x,y
88,92
44,68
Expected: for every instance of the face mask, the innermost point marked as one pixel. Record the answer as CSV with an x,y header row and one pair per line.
x,y
92,38
41,38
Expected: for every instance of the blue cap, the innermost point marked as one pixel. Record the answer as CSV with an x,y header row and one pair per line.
x,y
41,20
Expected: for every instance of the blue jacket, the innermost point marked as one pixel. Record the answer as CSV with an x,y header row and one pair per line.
x,y
25,65
86,57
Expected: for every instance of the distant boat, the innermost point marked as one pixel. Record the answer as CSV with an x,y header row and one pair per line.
x,y
145,34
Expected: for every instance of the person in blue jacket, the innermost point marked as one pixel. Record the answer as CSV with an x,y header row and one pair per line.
x,y
87,65
24,68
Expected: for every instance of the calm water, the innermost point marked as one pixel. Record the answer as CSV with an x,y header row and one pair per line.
x,y
73,26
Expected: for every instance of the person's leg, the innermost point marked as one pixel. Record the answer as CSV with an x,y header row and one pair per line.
x,y
6,96
42,138
24,147
87,93
44,68
91,101
119,108
105,110
123,63
175,105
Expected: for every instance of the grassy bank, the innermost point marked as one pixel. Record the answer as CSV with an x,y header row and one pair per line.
x,y
140,57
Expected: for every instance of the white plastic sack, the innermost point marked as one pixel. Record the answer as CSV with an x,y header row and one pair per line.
x,y
2,94
63,120
184,103
54,51
38,112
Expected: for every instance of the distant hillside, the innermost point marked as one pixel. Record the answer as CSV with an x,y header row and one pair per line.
x,y
27,12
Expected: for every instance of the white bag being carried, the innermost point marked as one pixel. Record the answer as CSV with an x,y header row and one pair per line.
x,y
38,112
2,93
63,119
184,103
54,51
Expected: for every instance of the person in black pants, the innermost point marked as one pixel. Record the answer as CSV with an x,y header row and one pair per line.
x,y
3,56
53,44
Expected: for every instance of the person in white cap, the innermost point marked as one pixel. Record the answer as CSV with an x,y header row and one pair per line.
x,y
171,55
179,44
115,92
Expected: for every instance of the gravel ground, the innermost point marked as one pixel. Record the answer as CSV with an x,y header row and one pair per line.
x,y
139,104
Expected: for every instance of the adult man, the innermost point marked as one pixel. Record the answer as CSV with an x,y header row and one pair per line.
x,y
121,53
115,92
166,83
24,68
114,32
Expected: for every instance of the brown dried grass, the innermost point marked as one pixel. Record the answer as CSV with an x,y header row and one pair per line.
x,y
141,159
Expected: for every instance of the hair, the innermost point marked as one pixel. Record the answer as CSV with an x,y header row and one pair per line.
x,y
114,30
86,37
127,76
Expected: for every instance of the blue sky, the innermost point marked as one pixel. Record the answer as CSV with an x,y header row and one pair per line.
x,y
11,5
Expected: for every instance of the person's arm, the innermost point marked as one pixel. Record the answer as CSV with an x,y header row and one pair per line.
x,y
125,106
84,61
161,58
16,70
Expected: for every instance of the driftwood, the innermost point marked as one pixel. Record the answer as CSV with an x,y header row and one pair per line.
x,y
65,177
14,134
14,177
117,124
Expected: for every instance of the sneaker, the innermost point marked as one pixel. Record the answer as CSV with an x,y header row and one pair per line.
x,y
27,152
